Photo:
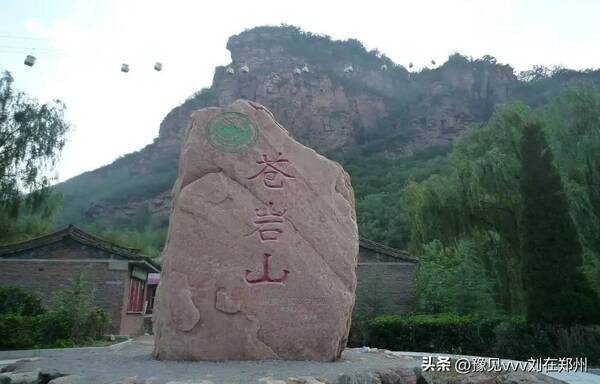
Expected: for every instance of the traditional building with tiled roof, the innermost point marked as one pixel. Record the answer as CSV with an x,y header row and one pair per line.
x,y
125,281
117,274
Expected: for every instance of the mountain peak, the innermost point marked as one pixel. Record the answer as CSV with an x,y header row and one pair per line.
x,y
332,95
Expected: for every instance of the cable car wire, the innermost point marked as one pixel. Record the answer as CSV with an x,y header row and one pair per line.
x,y
24,38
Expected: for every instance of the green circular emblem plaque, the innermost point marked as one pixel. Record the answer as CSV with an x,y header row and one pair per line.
x,y
231,132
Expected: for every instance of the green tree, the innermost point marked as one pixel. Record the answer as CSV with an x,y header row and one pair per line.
x,y
35,222
74,311
453,278
555,289
572,121
31,138
470,215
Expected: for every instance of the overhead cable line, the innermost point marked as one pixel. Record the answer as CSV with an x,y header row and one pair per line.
x,y
24,38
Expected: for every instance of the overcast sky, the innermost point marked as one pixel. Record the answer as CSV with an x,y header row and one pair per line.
x,y
80,46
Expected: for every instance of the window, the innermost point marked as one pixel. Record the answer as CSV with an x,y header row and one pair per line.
x,y
136,295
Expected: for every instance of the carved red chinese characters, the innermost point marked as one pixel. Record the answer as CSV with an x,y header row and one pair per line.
x,y
268,223
260,257
266,278
271,172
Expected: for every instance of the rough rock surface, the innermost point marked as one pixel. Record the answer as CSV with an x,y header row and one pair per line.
x,y
326,109
262,245
70,379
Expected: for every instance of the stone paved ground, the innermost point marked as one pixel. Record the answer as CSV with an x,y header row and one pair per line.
x,y
102,366
107,367
578,377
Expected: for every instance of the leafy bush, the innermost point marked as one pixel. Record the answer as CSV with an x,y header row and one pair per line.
x,y
74,313
453,278
55,326
95,323
447,333
517,339
498,336
15,300
48,330
18,332
577,340
72,320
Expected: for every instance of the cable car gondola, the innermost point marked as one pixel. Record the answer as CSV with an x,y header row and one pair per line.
x,y
29,61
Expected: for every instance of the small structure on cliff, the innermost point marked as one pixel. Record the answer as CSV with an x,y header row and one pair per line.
x,y
118,275
261,253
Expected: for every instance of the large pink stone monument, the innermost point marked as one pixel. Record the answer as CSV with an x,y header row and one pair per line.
x,y
262,246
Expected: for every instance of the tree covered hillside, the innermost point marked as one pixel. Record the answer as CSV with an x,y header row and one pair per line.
x,y
389,128
518,206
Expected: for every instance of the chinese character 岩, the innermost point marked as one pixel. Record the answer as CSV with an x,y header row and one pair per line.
x,y
268,223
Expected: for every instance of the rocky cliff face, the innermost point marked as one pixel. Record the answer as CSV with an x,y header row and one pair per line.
x,y
329,108
306,82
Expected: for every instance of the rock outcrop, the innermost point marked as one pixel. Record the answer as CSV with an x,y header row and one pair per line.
x,y
262,245
397,112
329,109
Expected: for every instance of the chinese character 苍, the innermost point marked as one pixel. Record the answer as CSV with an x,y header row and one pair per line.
x,y
271,172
